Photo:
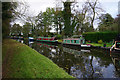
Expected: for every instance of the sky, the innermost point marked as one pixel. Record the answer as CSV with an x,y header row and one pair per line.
x,y
110,6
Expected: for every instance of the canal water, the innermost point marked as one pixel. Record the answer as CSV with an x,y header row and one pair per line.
x,y
81,63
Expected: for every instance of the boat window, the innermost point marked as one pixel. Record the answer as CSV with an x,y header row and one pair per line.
x,y
64,40
74,41
40,38
55,39
81,41
117,44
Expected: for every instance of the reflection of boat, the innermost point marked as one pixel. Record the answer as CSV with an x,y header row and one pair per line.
x,y
46,45
72,51
17,37
116,61
76,41
47,39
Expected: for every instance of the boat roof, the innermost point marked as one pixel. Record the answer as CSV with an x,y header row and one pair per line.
x,y
77,36
72,39
46,37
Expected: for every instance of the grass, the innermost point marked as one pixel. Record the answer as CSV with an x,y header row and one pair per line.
x,y
60,40
97,44
21,61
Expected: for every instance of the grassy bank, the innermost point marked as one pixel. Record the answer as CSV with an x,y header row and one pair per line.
x,y
60,40
21,61
97,44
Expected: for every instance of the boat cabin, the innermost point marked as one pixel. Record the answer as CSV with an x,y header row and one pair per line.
x,y
117,42
75,40
46,39
116,46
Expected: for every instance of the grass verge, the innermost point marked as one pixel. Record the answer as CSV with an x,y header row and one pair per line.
x,y
96,44
21,61
60,40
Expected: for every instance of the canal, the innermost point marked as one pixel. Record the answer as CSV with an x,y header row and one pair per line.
x,y
81,63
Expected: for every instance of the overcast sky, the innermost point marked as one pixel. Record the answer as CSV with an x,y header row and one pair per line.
x,y
110,6
35,6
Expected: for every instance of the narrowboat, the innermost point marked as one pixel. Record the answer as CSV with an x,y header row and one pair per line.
x,y
116,46
47,39
31,39
76,41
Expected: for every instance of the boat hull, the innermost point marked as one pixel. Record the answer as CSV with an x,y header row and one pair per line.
x,y
77,46
50,42
115,51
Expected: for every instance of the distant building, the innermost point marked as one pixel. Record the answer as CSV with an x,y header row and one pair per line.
x,y
119,7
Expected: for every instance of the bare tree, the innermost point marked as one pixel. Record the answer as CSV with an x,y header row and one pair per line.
x,y
94,10
86,15
21,12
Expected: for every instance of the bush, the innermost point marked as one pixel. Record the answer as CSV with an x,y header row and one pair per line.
x,y
100,42
96,36
59,36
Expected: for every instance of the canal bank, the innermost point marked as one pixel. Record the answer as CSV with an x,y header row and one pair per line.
x,y
21,61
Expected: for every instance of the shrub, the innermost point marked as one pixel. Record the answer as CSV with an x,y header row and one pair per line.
x,y
59,36
104,36
100,41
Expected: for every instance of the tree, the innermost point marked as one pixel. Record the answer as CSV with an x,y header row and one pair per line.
x,y
44,21
16,29
93,11
26,30
58,20
106,22
117,22
67,18
86,15
12,11
7,9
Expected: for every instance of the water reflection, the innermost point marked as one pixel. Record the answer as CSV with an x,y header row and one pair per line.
x,y
81,63
75,52
116,61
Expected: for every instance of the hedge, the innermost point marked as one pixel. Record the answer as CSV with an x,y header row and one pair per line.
x,y
104,36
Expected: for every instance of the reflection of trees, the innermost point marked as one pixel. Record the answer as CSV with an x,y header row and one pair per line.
x,y
41,49
65,60
105,59
81,66
26,41
116,61
92,70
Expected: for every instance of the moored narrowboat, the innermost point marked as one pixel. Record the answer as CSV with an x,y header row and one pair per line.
x,y
116,46
47,39
79,41
31,38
